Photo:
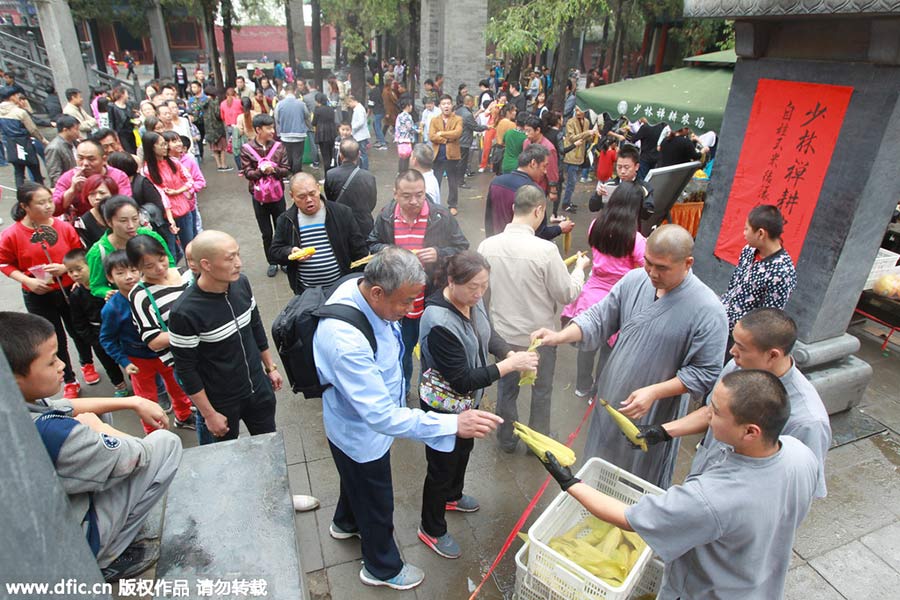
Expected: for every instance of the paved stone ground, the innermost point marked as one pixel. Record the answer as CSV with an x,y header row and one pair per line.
x,y
849,546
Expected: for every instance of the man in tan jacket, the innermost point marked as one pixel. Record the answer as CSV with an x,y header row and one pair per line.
x,y
444,132
578,133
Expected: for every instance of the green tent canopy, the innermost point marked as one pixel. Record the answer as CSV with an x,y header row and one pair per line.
x,y
692,96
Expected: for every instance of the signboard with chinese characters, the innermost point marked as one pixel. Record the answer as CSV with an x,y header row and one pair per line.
x,y
791,135
658,112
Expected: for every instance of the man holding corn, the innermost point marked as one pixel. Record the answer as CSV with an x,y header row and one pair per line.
x,y
672,331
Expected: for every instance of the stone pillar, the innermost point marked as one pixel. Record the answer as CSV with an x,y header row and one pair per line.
x,y
859,191
298,31
45,544
63,48
452,42
159,39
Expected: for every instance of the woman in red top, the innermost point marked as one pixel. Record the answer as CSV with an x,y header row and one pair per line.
x,y
230,108
31,253
175,186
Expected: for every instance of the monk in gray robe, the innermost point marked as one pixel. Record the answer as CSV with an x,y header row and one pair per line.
x,y
672,334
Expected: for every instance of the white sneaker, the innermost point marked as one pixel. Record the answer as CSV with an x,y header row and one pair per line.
x,y
303,503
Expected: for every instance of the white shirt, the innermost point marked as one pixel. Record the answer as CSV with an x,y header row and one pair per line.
x,y
432,187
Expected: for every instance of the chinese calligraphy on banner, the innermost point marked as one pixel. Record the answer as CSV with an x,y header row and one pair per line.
x,y
790,137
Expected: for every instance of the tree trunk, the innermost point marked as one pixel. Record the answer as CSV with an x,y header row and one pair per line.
x,y
292,55
618,43
337,47
413,60
603,42
209,22
358,77
317,42
561,68
227,28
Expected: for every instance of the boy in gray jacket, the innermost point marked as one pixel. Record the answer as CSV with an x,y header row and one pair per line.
x,y
113,479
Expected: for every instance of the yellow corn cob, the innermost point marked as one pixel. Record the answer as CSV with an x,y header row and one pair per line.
x,y
636,541
539,444
571,260
362,261
628,428
610,541
302,253
529,377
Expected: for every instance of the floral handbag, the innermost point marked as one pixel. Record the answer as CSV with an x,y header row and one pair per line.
x,y
439,395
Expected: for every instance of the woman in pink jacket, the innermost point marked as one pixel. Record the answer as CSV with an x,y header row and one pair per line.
x,y
617,247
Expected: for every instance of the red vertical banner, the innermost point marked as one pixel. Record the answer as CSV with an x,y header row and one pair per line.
x,y
790,138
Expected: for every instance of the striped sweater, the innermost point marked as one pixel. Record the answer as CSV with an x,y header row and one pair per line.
x,y
216,340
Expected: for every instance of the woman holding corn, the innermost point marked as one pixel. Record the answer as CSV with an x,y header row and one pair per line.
x,y
455,336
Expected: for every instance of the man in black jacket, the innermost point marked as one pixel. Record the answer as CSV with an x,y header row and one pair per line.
x,y
470,126
315,223
413,222
353,186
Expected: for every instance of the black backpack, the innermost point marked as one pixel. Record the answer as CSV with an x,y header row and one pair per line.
x,y
295,326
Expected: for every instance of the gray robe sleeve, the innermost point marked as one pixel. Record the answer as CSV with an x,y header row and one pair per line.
x,y
675,522
703,361
601,320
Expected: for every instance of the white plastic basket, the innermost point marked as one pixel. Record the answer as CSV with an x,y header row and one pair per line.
x,y
529,588
559,575
885,264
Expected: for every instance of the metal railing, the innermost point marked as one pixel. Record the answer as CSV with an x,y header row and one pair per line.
x,y
35,78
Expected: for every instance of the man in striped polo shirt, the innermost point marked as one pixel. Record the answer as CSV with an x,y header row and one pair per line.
x,y
413,222
312,222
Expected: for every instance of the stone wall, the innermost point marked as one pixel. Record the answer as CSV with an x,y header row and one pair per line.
x,y
452,42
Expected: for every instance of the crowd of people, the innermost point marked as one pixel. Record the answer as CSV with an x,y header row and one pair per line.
x,y
97,254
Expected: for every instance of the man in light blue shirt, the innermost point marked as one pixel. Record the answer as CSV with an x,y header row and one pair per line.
x,y
364,410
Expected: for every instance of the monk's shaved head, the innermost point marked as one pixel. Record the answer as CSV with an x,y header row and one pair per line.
x,y
208,244
671,241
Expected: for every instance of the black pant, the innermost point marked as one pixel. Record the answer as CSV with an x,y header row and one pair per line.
x,y
366,505
266,216
109,365
443,483
294,151
463,163
53,307
326,149
257,412
403,165
452,169
33,167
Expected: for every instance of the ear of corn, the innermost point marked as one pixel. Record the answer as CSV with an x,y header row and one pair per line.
x,y
539,444
628,428
302,253
529,377
600,548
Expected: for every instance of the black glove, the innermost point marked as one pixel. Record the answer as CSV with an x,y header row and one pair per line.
x,y
653,434
561,474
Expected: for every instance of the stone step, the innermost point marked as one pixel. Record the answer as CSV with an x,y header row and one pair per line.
x,y
229,517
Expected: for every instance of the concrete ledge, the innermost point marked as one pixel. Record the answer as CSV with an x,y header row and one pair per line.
x,y
229,516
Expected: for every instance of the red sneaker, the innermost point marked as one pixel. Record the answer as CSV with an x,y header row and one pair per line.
x,y
90,374
72,390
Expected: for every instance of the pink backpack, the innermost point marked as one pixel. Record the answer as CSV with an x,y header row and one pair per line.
x,y
268,188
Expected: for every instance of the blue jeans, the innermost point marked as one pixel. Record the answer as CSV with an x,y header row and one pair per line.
x,y
571,179
364,155
409,331
376,122
187,229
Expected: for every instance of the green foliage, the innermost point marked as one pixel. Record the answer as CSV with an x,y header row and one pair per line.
x,y
522,29
360,19
698,36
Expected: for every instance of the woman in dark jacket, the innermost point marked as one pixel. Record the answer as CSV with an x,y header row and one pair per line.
x,y
455,336
347,243
326,130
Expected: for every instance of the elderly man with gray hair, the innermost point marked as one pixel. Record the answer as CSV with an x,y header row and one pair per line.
x,y
671,330
364,410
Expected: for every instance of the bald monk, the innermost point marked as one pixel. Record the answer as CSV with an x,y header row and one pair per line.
x,y
221,352
672,332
